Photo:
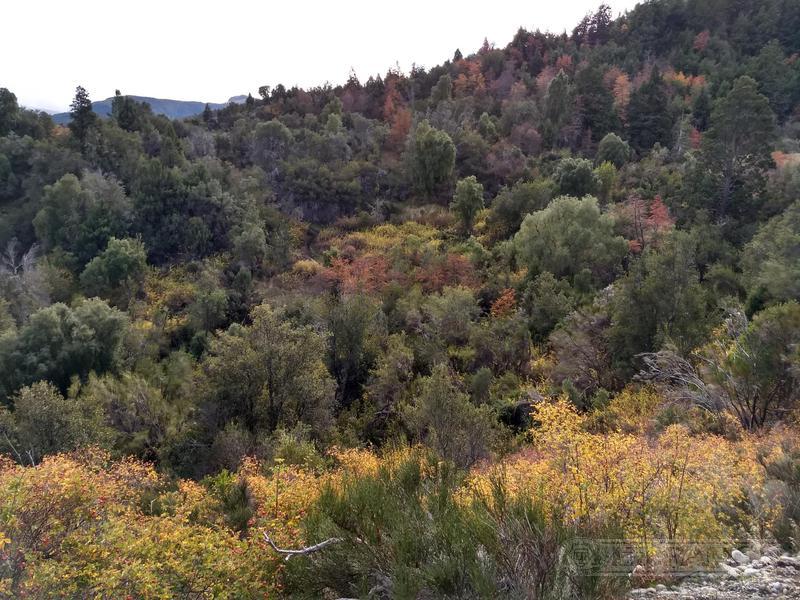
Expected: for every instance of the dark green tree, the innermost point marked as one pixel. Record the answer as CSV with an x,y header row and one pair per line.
x,y
777,79
271,143
613,149
443,90
127,113
559,106
467,201
356,327
80,216
546,301
595,103
512,204
9,110
771,261
736,149
270,374
83,116
117,273
576,177
45,422
572,239
659,302
208,114
61,342
649,122
701,109
433,157
443,417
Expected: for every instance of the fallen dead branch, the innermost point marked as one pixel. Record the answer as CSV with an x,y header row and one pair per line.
x,y
288,553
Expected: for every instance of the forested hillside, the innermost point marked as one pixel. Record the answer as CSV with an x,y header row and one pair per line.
x,y
456,325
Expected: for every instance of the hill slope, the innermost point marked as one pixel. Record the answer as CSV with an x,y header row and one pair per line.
x,y
174,109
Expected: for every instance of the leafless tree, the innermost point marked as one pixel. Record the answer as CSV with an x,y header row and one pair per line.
x,y
21,281
746,370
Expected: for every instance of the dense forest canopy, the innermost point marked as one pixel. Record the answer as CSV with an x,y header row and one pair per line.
x,y
332,312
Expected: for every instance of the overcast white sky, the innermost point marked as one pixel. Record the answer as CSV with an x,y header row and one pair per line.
x,y
209,51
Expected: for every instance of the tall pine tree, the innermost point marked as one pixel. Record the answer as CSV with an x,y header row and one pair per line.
x,y
737,146
83,117
648,114
595,103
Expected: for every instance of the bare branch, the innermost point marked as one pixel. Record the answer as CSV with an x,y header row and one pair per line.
x,y
307,550
11,445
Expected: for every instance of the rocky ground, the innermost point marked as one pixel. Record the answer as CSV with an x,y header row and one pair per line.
x,y
739,578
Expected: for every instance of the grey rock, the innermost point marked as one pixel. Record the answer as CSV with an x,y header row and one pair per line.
x,y
730,571
788,561
740,557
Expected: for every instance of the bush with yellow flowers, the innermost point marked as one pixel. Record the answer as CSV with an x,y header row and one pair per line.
x,y
659,489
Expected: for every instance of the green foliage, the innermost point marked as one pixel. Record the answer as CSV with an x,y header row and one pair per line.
x,y
250,246
443,417
512,204
598,116
432,155
736,148
613,149
81,216
443,90
785,469
267,375
44,422
607,174
7,323
118,272
467,201
558,110
777,78
487,127
660,302
61,342
571,239
141,421
763,364
447,315
576,177
8,111
129,114
771,260
356,326
388,387
547,300
649,122
393,321
271,143
83,117
233,499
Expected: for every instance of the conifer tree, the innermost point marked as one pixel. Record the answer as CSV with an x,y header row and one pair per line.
x,y
648,115
83,116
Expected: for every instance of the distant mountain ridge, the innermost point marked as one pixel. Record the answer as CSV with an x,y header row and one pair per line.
x,y
174,109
